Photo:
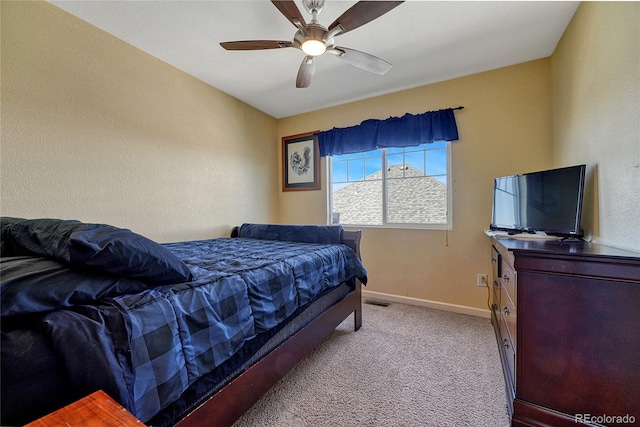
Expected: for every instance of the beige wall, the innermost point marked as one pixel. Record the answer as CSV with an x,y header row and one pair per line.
x,y
504,128
595,82
579,106
97,130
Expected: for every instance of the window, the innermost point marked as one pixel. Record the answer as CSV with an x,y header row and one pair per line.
x,y
414,190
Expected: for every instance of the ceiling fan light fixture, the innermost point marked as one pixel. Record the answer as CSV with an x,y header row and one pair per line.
x,y
313,47
314,39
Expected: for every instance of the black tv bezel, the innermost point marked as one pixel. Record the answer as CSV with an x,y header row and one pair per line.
x,y
578,232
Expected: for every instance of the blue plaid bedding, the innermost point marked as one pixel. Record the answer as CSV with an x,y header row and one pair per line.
x,y
152,345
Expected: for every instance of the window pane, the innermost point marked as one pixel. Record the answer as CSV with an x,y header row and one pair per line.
x,y
373,168
395,165
436,162
415,179
338,171
420,200
356,170
358,203
416,161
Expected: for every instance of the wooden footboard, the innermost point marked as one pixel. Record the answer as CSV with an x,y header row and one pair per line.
x,y
233,400
352,239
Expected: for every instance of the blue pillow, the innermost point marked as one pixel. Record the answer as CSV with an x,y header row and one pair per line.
x,y
325,234
37,285
100,247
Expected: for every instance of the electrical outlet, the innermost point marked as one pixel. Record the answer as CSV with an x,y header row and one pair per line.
x,y
482,280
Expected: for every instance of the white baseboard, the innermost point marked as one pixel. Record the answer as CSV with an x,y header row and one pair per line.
x,y
380,296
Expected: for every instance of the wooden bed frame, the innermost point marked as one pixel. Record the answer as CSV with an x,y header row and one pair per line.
x,y
234,399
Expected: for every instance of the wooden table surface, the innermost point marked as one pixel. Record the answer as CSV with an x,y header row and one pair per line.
x,y
95,410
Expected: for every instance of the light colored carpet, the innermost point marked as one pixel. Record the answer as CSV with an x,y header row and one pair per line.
x,y
406,366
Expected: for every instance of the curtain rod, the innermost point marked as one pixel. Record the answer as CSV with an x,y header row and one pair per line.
x,y
458,108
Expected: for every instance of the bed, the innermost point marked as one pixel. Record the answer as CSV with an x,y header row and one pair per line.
x,y
185,333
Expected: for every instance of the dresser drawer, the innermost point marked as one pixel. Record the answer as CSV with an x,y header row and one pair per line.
x,y
508,279
495,305
509,352
508,312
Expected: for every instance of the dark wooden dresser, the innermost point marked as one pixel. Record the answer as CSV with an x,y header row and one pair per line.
x,y
567,320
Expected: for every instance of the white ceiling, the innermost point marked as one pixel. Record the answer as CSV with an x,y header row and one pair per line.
x,y
426,41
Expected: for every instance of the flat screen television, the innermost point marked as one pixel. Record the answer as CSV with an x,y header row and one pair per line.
x,y
547,201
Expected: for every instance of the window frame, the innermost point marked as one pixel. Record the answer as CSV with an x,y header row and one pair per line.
x,y
385,224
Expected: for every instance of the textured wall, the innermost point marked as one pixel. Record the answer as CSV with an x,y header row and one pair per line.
x,y
579,106
505,128
94,129
97,130
596,115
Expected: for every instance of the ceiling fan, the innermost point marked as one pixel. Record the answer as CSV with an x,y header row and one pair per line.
x,y
314,39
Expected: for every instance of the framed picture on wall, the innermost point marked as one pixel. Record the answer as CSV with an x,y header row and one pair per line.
x,y
300,162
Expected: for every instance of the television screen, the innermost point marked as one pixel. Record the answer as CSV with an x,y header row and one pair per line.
x,y
548,201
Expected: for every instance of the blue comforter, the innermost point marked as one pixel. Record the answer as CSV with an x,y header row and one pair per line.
x,y
150,344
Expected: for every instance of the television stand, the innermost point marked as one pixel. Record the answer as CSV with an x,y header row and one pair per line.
x,y
565,314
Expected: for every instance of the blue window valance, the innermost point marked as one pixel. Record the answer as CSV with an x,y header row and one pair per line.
x,y
408,130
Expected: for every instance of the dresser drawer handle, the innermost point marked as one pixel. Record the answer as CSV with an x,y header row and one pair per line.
x,y
506,310
506,278
506,343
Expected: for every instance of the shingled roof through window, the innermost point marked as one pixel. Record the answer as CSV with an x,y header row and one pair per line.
x,y
413,199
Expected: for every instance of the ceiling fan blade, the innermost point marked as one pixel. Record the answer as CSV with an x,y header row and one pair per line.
x,y
255,44
305,73
361,13
361,60
291,12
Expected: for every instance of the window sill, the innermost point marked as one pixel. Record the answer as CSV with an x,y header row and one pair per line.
x,y
436,227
